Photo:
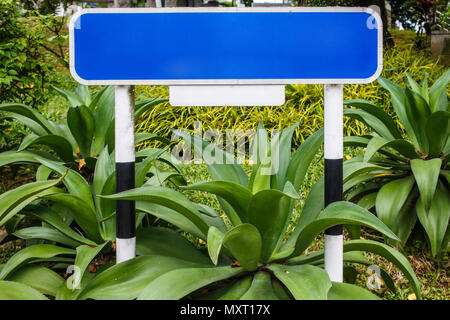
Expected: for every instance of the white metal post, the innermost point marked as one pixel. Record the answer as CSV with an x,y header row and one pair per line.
x,y
333,152
125,158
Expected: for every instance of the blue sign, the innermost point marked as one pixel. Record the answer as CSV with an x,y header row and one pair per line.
x,y
226,46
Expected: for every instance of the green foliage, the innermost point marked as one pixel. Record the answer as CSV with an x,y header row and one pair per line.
x,y
64,214
410,181
22,69
421,15
304,103
259,207
88,127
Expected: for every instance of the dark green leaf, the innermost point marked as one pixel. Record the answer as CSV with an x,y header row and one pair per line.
x,y
244,243
305,282
178,283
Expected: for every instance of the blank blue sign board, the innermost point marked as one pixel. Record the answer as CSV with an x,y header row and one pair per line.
x,y
225,46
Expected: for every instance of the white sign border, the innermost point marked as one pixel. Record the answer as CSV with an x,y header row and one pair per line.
x,y
225,81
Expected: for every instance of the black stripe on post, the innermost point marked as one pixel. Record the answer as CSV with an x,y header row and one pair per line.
x,y
125,209
333,188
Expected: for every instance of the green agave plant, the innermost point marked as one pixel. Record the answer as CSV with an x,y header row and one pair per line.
x,y
65,220
405,177
71,225
86,130
246,257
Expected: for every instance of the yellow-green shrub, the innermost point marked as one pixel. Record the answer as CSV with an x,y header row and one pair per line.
x,y
304,103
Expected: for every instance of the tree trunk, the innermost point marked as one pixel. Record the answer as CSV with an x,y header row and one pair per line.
x,y
175,3
122,3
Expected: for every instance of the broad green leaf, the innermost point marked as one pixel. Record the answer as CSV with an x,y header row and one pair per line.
x,y
438,132
269,213
74,182
126,280
52,218
168,198
379,118
244,243
107,208
261,288
96,96
284,149
371,121
10,290
166,242
280,291
85,254
40,278
357,168
60,145
368,201
438,93
340,213
317,258
81,122
178,283
35,128
13,201
103,115
358,183
390,254
311,209
227,169
81,212
435,219
171,216
259,145
64,131
104,167
359,141
302,158
403,147
361,190
43,173
424,89
143,167
37,251
398,100
73,98
83,92
305,282
418,112
426,173
46,233
159,178
233,291
26,112
393,208
346,291
214,243
235,194
415,86
66,292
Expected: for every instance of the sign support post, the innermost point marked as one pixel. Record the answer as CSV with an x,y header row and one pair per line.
x,y
333,152
125,158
